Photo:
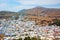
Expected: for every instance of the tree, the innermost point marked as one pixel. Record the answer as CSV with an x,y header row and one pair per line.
x,y
56,22
33,38
27,38
39,38
19,39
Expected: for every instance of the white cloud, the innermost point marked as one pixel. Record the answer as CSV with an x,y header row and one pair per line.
x,y
3,4
25,4
38,2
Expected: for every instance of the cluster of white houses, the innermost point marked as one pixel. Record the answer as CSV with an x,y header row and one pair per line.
x,y
14,29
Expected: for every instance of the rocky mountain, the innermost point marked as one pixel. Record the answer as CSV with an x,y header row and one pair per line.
x,y
41,15
37,11
41,11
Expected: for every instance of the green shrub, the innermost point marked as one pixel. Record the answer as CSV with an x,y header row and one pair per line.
x,y
56,22
19,39
27,38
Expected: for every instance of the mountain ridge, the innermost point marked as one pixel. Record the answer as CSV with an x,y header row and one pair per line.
x,y
41,10
36,11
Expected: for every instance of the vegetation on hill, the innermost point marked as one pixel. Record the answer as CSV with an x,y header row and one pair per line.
x,y
55,22
28,38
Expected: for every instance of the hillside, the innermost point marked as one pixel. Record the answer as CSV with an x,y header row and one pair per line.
x,y
7,14
37,11
41,11
41,15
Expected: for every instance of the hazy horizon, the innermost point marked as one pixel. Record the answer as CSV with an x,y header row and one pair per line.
x,y
16,5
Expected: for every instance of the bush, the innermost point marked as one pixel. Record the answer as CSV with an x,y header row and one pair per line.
x,y
33,38
27,38
56,22
19,39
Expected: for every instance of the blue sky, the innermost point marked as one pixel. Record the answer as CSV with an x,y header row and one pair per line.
x,y
16,5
